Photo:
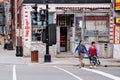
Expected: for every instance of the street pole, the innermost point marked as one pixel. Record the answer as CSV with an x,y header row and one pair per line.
x,y
47,57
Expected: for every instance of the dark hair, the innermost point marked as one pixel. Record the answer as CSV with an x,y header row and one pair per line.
x,y
80,41
92,42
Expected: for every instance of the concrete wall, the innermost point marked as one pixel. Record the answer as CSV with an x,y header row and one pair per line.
x,y
41,47
105,53
116,51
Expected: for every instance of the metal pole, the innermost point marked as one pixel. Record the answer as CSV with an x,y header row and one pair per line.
x,y
47,57
47,30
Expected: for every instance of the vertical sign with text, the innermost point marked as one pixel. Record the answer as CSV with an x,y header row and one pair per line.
x,y
27,26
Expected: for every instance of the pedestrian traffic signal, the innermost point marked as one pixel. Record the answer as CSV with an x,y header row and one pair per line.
x,y
34,16
34,13
42,15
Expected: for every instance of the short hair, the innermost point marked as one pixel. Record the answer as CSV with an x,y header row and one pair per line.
x,y
93,42
80,41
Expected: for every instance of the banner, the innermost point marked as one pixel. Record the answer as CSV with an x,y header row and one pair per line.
x,y
117,5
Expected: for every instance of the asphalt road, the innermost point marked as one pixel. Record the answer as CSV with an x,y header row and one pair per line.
x,y
47,72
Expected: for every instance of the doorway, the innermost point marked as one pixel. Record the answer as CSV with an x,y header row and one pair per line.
x,y
63,39
65,22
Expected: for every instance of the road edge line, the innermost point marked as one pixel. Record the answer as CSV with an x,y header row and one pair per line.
x,y
103,74
75,76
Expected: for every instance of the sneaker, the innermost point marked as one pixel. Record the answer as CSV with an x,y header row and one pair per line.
x,y
91,67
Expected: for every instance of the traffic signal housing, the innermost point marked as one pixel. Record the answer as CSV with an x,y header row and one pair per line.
x,y
51,34
42,15
34,13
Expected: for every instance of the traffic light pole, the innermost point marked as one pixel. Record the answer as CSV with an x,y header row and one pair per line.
x,y
47,57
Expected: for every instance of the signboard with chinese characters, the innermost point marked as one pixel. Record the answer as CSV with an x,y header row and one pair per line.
x,y
106,17
117,35
117,20
117,5
67,1
26,27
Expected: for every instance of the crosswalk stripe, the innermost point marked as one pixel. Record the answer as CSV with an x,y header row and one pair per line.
x,y
75,76
14,72
103,74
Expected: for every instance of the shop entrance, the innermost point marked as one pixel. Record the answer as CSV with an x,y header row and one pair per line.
x,y
65,22
63,39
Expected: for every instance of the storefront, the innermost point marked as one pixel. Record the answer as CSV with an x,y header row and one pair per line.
x,y
74,22
116,48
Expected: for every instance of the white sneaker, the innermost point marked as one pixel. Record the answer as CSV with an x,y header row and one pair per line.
x,y
91,67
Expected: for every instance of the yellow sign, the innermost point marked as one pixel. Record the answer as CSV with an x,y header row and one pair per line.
x,y
118,20
117,5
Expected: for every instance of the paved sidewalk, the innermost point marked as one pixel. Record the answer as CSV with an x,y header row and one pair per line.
x,y
8,57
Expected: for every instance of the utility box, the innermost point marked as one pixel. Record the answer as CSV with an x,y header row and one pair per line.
x,y
34,56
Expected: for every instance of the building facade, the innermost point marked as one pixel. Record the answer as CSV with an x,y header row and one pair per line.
x,y
5,20
88,21
116,47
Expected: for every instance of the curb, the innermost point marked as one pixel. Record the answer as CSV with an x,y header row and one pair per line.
x,y
53,64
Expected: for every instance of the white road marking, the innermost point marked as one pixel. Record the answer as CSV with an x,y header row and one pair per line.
x,y
14,72
103,74
68,73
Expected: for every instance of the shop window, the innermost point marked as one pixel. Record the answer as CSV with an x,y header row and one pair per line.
x,y
38,26
96,30
78,28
